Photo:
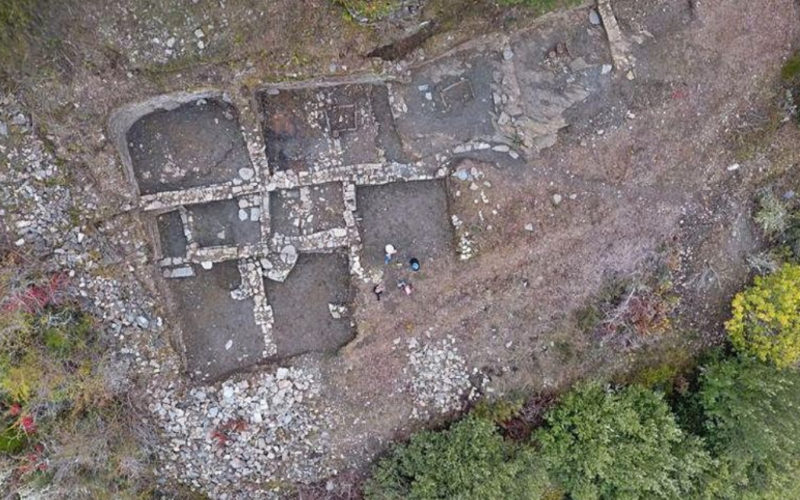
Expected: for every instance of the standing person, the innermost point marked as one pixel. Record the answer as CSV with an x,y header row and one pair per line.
x,y
389,251
414,263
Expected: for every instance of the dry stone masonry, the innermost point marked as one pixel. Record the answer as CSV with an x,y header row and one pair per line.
x,y
266,210
263,182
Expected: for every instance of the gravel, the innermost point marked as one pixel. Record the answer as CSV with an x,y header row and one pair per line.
x,y
440,381
246,431
231,440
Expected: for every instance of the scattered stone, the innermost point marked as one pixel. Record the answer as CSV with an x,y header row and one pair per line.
x,y
207,265
733,167
594,17
557,199
246,173
508,54
529,227
439,377
289,254
3,129
337,311
182,272
606,69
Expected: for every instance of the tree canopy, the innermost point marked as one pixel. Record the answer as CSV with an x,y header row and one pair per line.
x,y
625,443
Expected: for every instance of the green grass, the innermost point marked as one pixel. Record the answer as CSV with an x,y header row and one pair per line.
x,y
16,19
368,10
791,70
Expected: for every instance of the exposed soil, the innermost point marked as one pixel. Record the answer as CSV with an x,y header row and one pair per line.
x,y
221,336
303,319
197,144
411,216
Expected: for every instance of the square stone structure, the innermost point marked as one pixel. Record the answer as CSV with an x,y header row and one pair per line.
x,y
258,246
301,304
311,129
196,144
220,334
307,209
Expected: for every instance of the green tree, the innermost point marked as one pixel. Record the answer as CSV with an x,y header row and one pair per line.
x,y
752,425
622,444
471,460
765,318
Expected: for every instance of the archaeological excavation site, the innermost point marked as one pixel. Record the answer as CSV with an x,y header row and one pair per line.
x,y
390,249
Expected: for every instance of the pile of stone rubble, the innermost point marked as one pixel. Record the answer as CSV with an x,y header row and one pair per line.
x,y
440,380
246,430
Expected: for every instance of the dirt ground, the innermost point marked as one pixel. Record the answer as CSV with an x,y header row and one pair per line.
x,y
303,322
654,174
643,175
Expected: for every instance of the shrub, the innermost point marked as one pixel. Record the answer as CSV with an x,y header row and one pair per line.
x,y
772,215
765,318
620,444
60,423
781,223
751,423
498,411
471,460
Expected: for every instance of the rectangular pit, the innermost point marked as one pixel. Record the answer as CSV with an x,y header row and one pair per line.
x,y
196,144
412,216
303,322
210,319
311,129
226,222
307,210
171,234
447,108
